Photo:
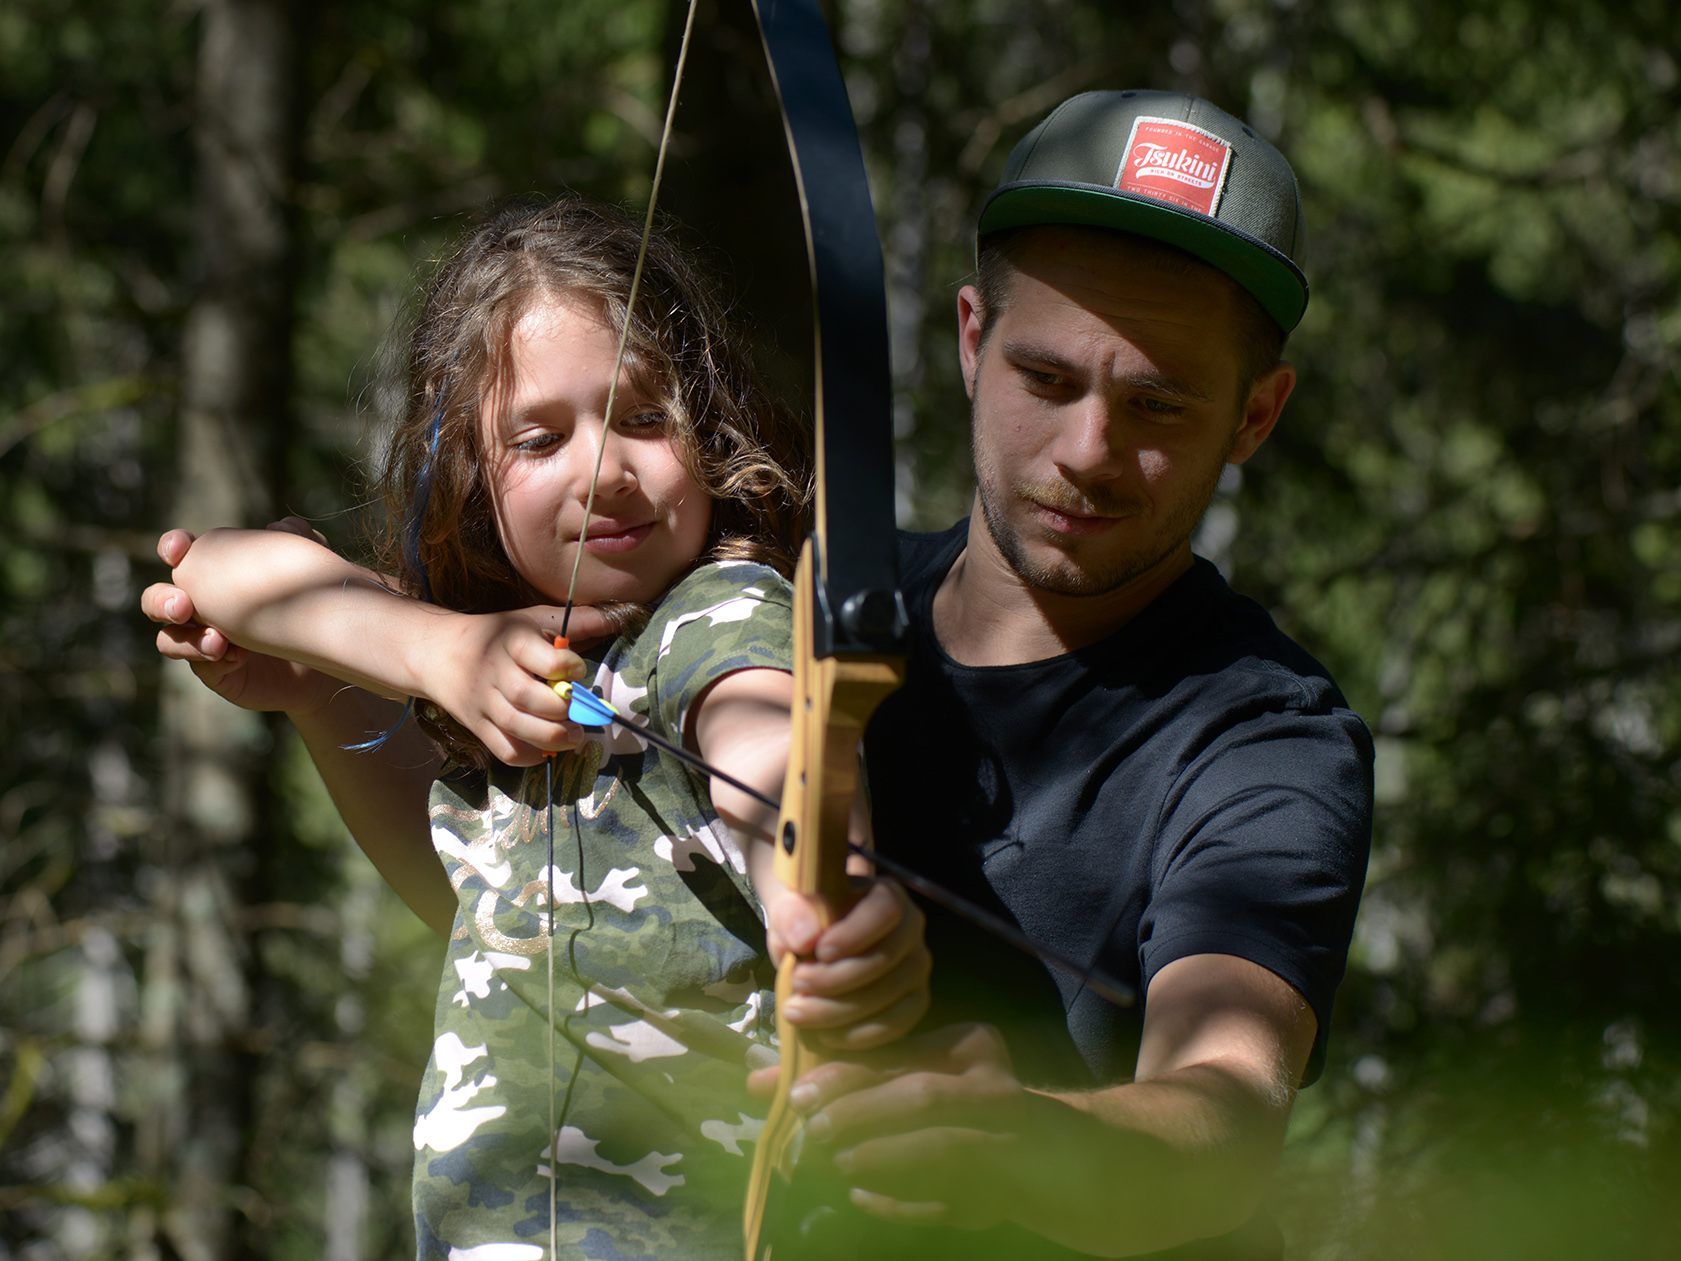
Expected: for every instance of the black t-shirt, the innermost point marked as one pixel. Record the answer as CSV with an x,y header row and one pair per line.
x,y
1192,784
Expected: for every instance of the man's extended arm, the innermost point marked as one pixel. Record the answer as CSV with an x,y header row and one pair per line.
x,y
944,1133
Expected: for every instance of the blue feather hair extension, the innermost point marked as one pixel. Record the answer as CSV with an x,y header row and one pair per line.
x,y
423,498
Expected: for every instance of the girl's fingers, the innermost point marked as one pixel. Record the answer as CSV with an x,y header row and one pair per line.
x,y
537,656
790,922
864,1002
837,976
529,736
881,1028
885,910
213,673
585,626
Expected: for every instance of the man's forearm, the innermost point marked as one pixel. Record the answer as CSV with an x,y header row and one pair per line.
x,y
1147,1165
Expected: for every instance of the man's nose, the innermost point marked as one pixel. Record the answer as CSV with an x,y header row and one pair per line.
x,y
1090,441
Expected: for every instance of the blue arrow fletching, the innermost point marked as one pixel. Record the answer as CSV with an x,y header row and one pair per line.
x,y
587,709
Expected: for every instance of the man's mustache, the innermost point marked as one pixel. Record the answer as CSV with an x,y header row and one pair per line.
x,y
1075,502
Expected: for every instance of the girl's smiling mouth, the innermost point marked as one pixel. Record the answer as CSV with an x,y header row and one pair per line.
x,y
611,537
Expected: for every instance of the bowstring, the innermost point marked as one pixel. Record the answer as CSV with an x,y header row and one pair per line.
x,y
630,307
554,1133
566,619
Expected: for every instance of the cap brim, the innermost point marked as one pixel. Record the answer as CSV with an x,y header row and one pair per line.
x,y
1276,282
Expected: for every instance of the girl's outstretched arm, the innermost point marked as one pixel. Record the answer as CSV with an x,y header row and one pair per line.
x,y
864,981
272,619
294,598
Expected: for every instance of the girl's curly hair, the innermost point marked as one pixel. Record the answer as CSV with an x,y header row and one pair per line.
x,y
439,534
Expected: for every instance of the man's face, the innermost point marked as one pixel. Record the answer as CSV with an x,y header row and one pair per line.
x,y
1107,398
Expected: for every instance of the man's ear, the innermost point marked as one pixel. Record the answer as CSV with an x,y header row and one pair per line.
x,y
969,324
1266,403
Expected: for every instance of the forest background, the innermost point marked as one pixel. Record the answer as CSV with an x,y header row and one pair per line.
x,y
213,1015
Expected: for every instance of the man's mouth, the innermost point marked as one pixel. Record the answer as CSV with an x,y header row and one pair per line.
x,y
1072,522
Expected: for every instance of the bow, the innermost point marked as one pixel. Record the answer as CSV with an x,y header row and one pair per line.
x,y
849,622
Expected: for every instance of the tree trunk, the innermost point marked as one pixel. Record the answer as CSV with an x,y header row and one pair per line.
x,y
235,392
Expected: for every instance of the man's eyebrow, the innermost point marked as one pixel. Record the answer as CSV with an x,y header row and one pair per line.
x,y
1173,387
1037,355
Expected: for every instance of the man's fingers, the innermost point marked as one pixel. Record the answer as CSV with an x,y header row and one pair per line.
x,y
927,1175
952,1075
830,1081
905,1212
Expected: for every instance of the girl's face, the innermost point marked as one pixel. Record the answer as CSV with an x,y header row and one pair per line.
x,y
650,519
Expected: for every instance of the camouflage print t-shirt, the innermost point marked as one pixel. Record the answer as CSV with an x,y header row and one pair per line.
x,y
660,994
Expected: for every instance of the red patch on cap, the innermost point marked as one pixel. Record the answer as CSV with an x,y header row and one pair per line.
x,y
1175,162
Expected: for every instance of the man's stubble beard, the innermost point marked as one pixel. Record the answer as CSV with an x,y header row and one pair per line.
x,y
1073,579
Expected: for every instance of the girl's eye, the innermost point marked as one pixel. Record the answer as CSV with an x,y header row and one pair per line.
x,y
650,419
539,443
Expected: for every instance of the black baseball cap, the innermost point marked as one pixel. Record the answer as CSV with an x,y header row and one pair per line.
x,y
1168,166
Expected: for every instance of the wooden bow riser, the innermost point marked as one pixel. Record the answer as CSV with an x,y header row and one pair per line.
x,y
833,700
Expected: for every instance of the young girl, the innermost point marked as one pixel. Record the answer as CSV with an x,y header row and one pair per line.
x,y
585,1090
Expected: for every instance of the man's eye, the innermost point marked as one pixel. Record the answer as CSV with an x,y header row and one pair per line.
x,y
1044,380
1161,407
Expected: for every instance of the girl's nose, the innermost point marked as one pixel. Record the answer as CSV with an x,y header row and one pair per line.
x,y
617,467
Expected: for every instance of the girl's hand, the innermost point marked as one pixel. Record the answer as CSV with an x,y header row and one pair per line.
x,y
862,982
251,680
491,672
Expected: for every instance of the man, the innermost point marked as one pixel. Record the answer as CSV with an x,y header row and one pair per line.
x,y
1103,742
